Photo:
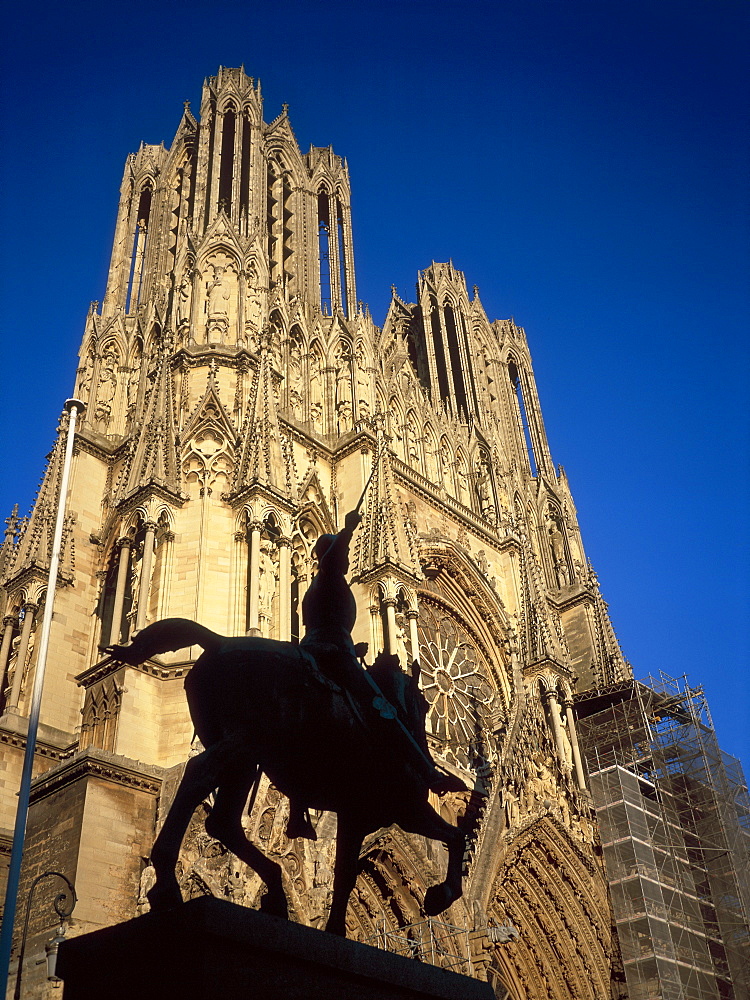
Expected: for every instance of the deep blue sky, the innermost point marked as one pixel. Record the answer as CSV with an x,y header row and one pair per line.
x,y
585,163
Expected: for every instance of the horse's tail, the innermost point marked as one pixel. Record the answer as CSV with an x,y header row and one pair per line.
x,y
164,636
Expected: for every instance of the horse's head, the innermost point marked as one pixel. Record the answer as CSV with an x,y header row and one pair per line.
x,y
403,692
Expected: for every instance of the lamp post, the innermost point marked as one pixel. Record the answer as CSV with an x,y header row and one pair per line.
x,y
64,906
74,407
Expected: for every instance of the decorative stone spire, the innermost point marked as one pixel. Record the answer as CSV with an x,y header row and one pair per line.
x,y
8,550
382,538
260,458
543,637
34,547
154,454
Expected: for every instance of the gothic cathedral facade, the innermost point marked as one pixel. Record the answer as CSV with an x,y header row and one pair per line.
x,y
238,398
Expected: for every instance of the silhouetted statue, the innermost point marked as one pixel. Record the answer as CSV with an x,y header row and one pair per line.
x,y
329,735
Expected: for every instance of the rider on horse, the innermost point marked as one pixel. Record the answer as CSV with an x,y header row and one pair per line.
x,y
329,611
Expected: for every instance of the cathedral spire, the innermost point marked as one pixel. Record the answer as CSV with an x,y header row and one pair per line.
x,y
260,459
34,548
8,549
153,448
382,539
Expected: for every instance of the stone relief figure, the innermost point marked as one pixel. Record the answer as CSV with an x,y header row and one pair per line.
x,y
462,479
485,498
344,415
221,298
429,455
295,403
557,550
184,299
218,307
363,412
253,307
106,389
343,374
266,586
445,466
511,806
294,377
316,415
316,392
86,376
541,786
136,564
133,380
361,376
402,646
147,882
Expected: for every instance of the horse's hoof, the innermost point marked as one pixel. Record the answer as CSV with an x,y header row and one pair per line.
x,y
438,898
162,897
272,906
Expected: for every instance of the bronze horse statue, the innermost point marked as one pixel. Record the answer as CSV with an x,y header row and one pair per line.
x,y
260,705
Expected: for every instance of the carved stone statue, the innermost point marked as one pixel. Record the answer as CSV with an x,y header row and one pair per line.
x,y
184,295
484,489
557,549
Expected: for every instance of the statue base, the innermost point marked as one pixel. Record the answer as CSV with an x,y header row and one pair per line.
x,y
210,949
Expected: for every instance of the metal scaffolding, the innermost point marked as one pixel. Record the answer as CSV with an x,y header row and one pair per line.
x,y
431,941
674,818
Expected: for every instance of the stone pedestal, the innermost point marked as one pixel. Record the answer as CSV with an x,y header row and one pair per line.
x,y
210,949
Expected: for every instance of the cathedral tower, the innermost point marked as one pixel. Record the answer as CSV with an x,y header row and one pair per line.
x,y
238,399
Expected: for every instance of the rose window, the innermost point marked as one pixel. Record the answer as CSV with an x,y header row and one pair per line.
x,y
455,681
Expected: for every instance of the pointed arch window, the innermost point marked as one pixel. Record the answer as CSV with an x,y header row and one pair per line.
x,y
470,366
437,341
116,601
518,389
454,353
140,238
226,170
245,163
341,260
324,249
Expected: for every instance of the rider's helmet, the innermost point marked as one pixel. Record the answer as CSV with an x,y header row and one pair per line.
x,y
322,545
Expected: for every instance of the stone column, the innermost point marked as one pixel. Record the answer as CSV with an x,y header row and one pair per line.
x,y
351,291
390,617
253,581
123,567
333,253
414,635
145,583
554,712
238,575
213,181
285,589
23,648
193,331
242,293
303,582
140,249
9,624
573,735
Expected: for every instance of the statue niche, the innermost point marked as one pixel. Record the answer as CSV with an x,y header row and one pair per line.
x,y
557,548
220,299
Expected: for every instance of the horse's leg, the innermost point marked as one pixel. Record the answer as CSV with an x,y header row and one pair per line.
x,y
349,837
199,780
428,823
225,824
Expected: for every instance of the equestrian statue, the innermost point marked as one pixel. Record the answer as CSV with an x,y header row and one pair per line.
x,y
330,734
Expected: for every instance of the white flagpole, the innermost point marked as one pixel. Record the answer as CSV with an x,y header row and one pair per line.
x,y
73,406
